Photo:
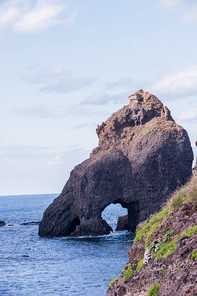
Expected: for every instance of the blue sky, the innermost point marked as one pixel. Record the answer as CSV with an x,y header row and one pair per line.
x,y
66,66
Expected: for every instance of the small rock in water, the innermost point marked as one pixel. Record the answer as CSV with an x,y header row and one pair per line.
x,y
30,223
2,223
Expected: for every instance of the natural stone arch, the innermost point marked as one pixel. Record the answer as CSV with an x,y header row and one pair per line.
x,y
142,157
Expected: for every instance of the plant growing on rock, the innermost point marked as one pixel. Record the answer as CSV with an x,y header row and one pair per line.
x,y
166,250
140,265
191,231
164,271
153,228
194,254
113,281
129,272
154,290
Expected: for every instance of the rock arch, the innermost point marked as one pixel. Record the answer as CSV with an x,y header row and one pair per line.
x,y
143,155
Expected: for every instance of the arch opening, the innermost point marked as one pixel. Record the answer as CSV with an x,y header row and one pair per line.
x,y
122,215
73,225
112,212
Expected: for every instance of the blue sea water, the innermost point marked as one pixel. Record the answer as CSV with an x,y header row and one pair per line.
x,y
31,265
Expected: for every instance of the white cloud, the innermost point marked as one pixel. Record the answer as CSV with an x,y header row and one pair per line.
x,y
97,98
22,16
7,16
189,115
57,79
57,111
69,22
178,84
39,18
37,75
124,81
191,15
68,84
103,98
169,3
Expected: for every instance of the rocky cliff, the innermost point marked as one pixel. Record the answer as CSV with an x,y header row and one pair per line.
x,y
163,258
142,156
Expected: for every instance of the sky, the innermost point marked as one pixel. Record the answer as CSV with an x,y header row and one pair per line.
x,y
66,66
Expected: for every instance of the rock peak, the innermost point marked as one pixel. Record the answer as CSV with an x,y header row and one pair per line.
x,y
121,126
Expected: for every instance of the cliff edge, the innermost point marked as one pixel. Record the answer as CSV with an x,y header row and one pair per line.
x,y
163,258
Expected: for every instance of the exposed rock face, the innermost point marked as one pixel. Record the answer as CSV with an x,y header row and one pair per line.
x,y
143,155
122,223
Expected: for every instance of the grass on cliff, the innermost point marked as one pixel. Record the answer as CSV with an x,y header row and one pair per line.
x,y
186,194
150,226
154,290
129,272
113,281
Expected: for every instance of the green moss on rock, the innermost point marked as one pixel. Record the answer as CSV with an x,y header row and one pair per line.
x,y
140,264
129,272
167,250
164,271
140,232
191,231
153,228
113,281
194,254
154,290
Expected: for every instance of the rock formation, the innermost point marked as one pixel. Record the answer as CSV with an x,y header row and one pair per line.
x,y
143,155
2,223
163,257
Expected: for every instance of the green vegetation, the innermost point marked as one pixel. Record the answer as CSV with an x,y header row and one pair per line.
x,y
140,264
164,271
166,237
153,228
179,267
194,254
129,272
187,194
154,290
145,228
152,247
158,216
182,234
140,232
113,281
176,202
191,231
166,250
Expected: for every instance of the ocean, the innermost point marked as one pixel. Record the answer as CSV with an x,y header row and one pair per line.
x,y
31,265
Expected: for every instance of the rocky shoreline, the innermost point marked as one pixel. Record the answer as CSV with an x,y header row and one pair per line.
x,y
163,258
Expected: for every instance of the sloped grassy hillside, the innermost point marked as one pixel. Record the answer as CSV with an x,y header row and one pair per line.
x,y
163,257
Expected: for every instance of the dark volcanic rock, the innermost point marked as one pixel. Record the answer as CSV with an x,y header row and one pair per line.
x,y
122,223
143,155
30,223
2,223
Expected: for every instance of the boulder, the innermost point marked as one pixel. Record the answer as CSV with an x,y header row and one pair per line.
x,y
122,223
142,157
